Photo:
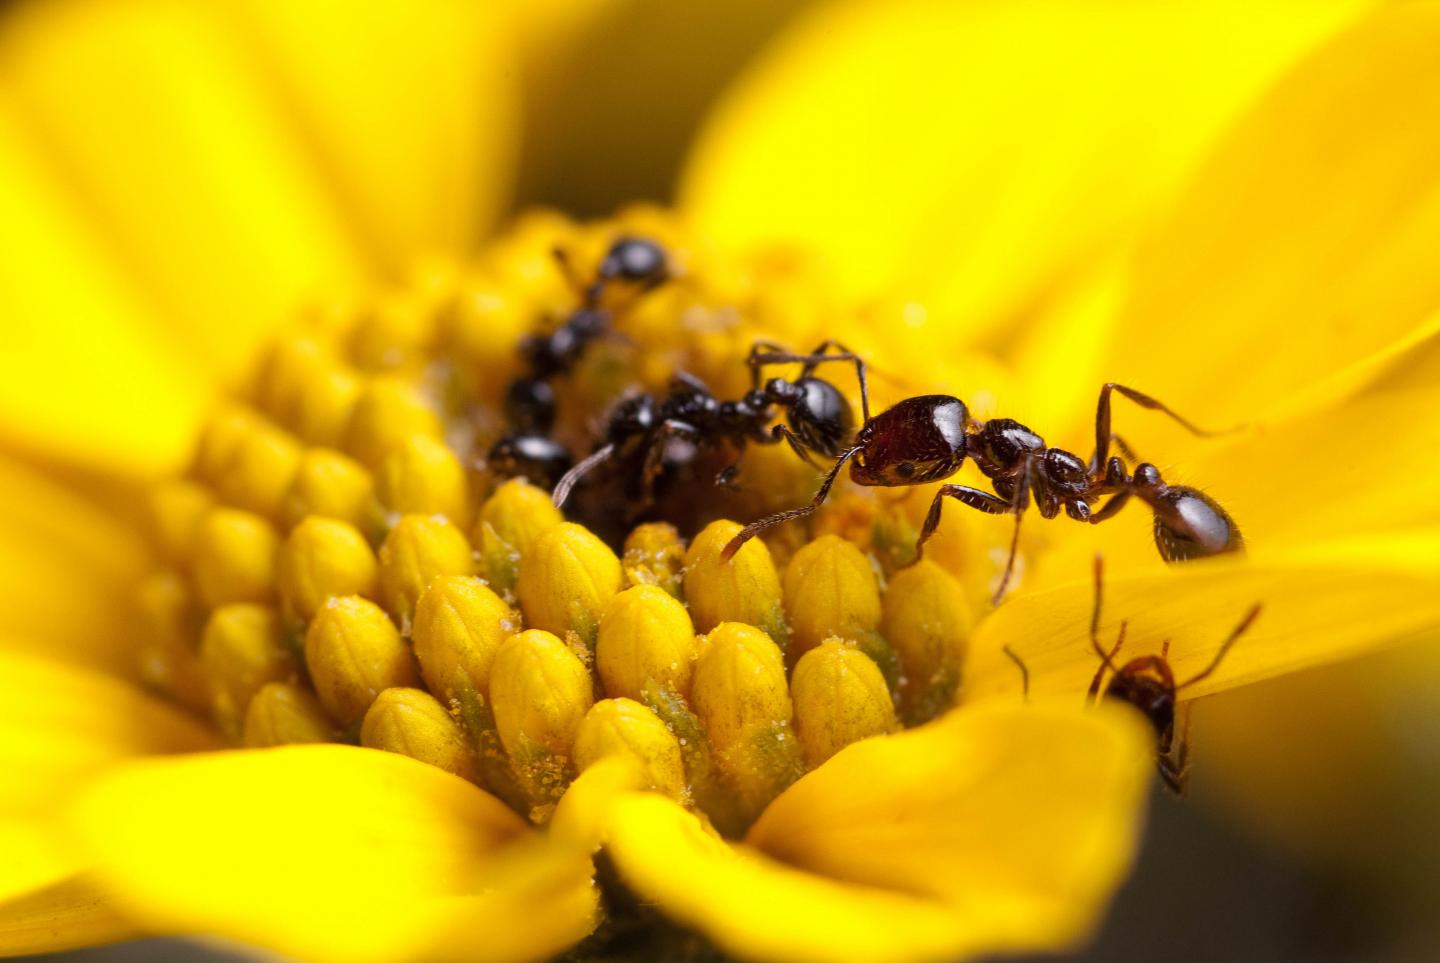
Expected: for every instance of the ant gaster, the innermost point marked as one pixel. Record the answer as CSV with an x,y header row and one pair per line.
x,y
818,418
631,267
1148,683
927,438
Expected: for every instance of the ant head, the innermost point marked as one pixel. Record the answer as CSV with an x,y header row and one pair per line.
x,y
637,260
918,440
1190,524
1147,684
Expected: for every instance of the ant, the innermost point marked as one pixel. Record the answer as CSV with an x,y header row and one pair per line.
x,y
818,417
631,267
927,438
1147,683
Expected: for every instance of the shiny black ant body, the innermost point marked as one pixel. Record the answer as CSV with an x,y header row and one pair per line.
x,y
631,267
1148,683
927,438
817,418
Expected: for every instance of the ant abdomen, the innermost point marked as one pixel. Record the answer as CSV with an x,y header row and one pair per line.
x,y
537,458
821,416
1190,524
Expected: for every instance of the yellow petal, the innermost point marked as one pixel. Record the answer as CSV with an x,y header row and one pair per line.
x,y
1001,828
419,153
78,336
1313,225
1321,602
164,127
261,846
56,550
59,724
70,914
947,150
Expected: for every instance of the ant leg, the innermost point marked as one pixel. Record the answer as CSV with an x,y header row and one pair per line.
x,y
567,268
655,454
1102,420
1174,759
1110,508
783,431
568,481
1235,633
755,528
1107,662
1024,672
973,497
759,350
685,381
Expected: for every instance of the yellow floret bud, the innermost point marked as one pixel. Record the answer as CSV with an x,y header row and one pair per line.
x,y
645,645
567,580
511,522
235,558
830,590
220,439
654,555
323,557
332,485
167,658
539,692
283,713
261,468
418,550
840,697
459,626
744,589
286,367
387,412
740,695
423,477
325,405
242,649
625,728
411,723
394,335
482,327
354,653
176,509
927,621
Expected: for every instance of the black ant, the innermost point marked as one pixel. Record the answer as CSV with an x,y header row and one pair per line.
x,y
1147,683
927,439
631,267
818,418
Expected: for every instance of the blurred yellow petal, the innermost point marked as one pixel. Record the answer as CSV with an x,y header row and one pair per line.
x,y
1322,602
66,571
163,128
34,857
78,338
966,152
331,853
1307,240
59,724
70,914
999,828
408,109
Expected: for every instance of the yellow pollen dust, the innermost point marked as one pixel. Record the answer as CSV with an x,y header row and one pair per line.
x,y
355,555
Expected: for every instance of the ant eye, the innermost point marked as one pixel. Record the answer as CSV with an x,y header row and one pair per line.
x,y
905,469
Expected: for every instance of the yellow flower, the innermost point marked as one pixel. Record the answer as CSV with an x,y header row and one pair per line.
x,y
1232,208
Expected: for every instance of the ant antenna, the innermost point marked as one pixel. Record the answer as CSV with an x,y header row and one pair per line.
x,y
1235,633
573,476
1024,671
1022,498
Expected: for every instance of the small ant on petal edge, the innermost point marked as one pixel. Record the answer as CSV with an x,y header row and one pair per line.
x,y
927,439
1147,683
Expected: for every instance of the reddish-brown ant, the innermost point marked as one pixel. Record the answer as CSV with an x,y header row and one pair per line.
x,y
1147,683
817,418
631,267
928,438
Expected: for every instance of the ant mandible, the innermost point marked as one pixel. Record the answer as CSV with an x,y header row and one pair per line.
x,y
1147,683
927,438
818,418
631,267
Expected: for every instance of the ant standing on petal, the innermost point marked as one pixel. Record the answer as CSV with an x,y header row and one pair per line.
x,y
631,267
1147,683
817,419
927,439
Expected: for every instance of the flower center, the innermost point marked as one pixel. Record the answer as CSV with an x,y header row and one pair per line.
x,y
366,547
